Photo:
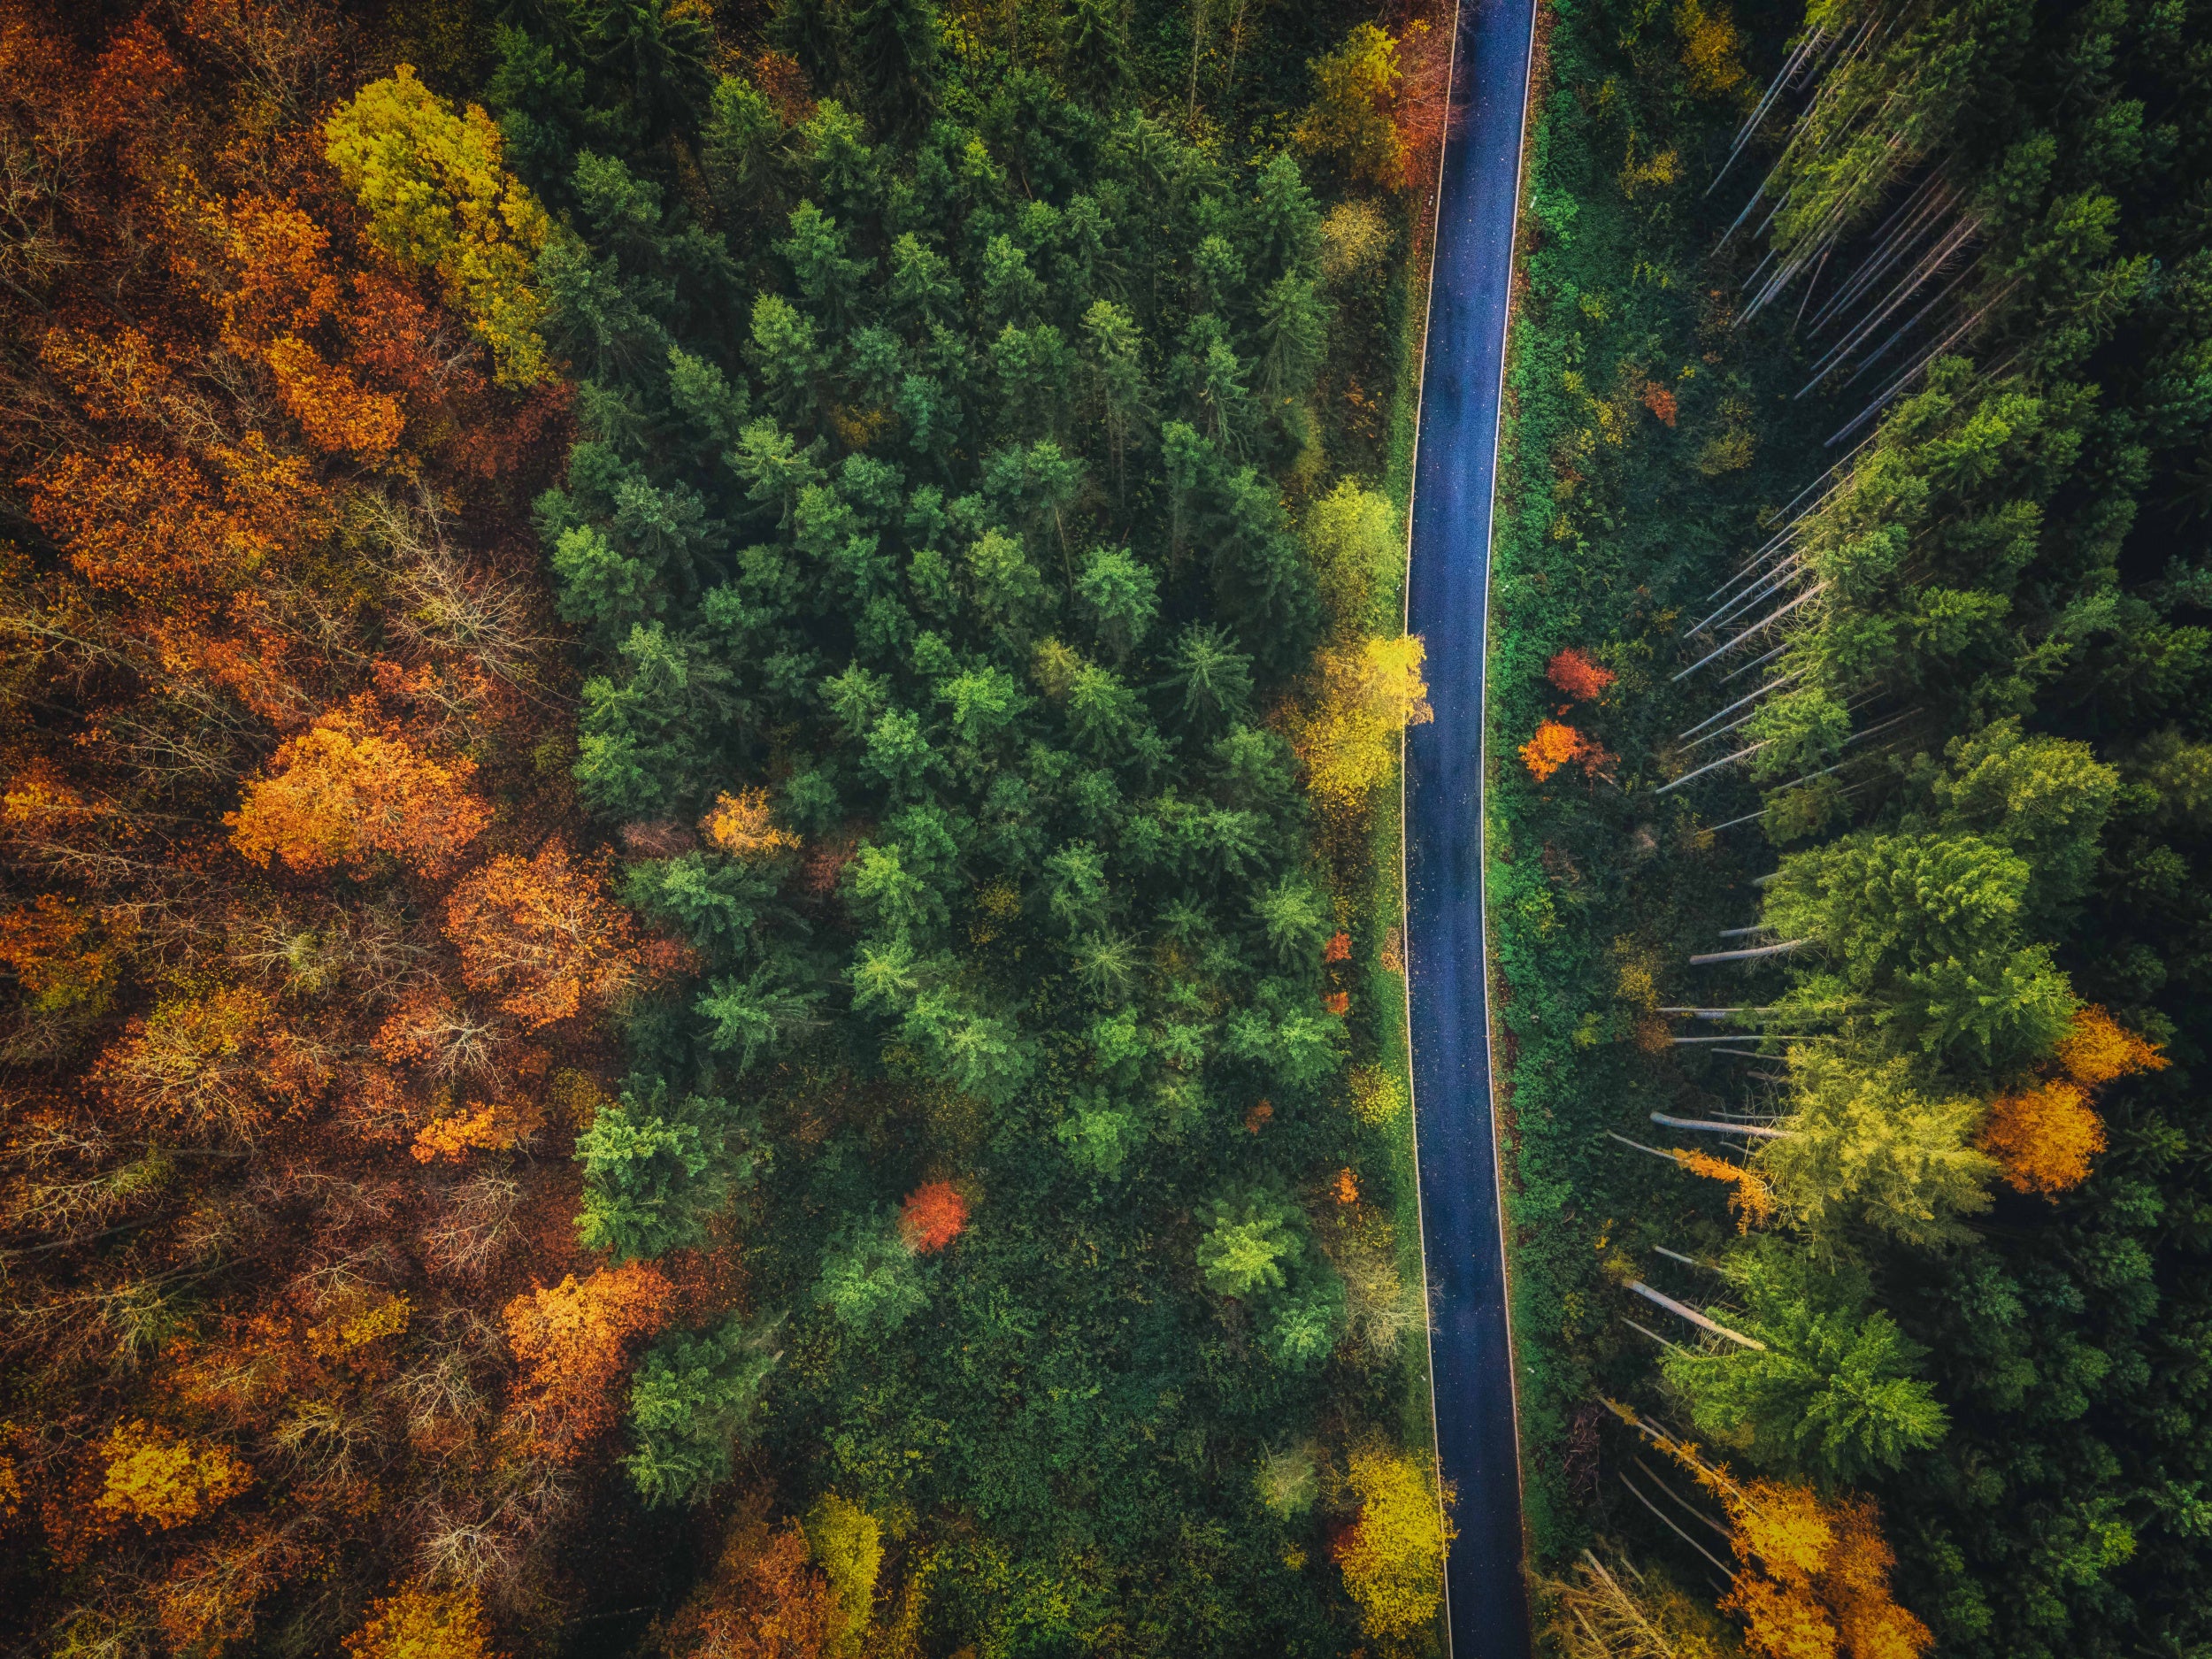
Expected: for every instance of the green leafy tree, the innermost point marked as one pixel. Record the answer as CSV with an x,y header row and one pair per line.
x,y
655,1173
692,1402
871,1282
1249,1246
1869,1148
1835,1393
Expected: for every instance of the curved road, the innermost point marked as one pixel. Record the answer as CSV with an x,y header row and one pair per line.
x,y
1448,600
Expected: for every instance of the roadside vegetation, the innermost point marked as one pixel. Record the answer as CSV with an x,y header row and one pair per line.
x,y
1849,634
701,736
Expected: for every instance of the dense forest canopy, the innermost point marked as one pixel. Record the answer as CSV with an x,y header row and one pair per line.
x,y
1855,970
697,702
701,710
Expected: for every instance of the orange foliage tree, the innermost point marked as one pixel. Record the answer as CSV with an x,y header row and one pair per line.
x,y
348,791
2044,1134
573,1342
1554,744
766,1599
1577,676
542,935
1814,1577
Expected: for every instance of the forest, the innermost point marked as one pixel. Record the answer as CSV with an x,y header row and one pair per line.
x,y
700,727
1847,808
702,709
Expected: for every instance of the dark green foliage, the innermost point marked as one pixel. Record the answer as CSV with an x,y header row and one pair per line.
x,y
931,475
655,1171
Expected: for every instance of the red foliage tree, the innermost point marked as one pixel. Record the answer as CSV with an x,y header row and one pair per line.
x,y
1577,676
932,1216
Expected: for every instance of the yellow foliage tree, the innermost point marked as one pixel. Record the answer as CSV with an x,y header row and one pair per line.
x,y
416,1622
157,1478
1393,1557
1356,87
2097,1050
1348,739
1751,1199
847,1545
1710,44
438,199
1353,539
742,827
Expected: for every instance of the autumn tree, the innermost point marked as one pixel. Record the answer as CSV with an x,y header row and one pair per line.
x,y
1349,738
2044,1133
765,1598
572,1342
415,1622
352,790
1356,88
933,1216
437,197
1574,675
1393,1556
542,935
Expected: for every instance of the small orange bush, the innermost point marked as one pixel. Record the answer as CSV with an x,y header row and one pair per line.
x,y
1554,744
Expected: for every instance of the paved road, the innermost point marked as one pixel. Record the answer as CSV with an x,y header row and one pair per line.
x,y
1447,602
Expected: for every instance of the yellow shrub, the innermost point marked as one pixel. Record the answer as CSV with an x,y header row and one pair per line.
x,y
1356,87
1348,739
1709,44
1392,1558
1353,237
1377,1096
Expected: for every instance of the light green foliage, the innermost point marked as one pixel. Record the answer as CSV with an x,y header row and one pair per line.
x,y
1295,918
1870,1148
871,1281
1836,1393
1883,905
692,1400
1098,1138
1801,732
1244,1252
1353,537
1122,598
2043,797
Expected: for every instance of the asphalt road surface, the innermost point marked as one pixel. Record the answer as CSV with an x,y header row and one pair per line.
x,y
1447,603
